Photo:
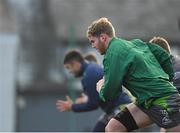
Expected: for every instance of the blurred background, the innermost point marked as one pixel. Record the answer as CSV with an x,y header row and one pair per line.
x,y
34,36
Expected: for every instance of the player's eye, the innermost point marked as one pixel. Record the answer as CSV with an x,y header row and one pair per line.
x,y
92,41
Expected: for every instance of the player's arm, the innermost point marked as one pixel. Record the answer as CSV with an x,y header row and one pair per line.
x,y
64,105
164,59
115,68
89,85
69,105
84,107
82,99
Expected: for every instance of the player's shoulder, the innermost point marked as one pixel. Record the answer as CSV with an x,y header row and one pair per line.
x,y
121,45
93,66
94,69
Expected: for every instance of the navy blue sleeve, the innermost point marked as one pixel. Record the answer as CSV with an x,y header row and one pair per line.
x,y
92,75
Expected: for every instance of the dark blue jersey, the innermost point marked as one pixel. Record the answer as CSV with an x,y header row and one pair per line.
x,y
92,73
176,63
176,66
176,81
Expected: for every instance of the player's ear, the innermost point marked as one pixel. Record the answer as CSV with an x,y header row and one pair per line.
x,y
103,37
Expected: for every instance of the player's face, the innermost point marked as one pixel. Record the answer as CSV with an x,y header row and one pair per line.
x,y
98,43
74,68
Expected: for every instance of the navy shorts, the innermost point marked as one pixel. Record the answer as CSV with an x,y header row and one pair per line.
x,y
164,111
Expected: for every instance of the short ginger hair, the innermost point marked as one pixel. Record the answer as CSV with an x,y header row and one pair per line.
x,y
102,25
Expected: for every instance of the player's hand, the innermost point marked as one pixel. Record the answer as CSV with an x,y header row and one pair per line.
x,y
99,84
64,105
81,99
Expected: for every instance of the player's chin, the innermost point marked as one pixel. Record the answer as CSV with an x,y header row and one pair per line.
x,y
102,53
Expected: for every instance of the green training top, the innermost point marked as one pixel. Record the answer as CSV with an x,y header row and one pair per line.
x,y
162,56
135,67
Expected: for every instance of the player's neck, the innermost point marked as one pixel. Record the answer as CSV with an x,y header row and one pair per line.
x,y
108,41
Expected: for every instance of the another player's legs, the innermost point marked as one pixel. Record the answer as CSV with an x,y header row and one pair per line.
x,y
99,127
101,123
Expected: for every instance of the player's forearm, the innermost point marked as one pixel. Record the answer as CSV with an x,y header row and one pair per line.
x,y
110,91
84,107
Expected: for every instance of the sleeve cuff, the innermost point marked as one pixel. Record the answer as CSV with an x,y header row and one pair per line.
x,y
101,95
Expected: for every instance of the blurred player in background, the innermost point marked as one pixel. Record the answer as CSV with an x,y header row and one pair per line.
x,y
163,43
91,57
132,64
90,73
